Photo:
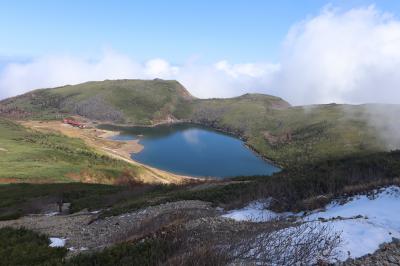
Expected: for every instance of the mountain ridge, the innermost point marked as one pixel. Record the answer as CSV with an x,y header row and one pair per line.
x,y
125,101
278,131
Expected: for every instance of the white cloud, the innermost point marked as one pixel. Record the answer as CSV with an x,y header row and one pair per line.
x,y
250,70
51,71
337,56
351,56
202,80
160,68
223,79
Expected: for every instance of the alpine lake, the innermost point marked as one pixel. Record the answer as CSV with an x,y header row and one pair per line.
x,y
194,150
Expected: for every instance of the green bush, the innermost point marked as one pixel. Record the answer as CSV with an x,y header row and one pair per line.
x,y
146,253
24,247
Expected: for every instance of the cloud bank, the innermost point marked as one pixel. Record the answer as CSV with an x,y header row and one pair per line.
x,y
351,57
219,80
337,56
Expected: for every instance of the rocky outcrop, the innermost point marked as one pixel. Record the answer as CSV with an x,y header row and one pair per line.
x,y
285,137
96,108
13,112
388,254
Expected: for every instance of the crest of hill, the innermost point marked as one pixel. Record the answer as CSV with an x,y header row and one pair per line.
x,y
121,101
126,101
273,101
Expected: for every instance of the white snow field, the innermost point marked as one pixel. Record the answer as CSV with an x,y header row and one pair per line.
x,y
364,222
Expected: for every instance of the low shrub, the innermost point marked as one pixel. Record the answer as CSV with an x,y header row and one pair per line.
x,y
25,247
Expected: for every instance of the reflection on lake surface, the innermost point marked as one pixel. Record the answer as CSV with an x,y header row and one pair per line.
x,y
195,150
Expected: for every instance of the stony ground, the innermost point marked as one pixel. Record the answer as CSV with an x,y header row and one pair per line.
x,y
84,231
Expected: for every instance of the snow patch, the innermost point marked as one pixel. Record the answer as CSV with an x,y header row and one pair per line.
x,y
57,242
365,222
360,237
52,214
255,212
80,249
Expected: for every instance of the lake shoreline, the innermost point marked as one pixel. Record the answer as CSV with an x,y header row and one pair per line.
x,y
129,146
181,127
206,125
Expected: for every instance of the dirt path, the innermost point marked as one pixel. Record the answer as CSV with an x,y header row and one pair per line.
x,y
99,139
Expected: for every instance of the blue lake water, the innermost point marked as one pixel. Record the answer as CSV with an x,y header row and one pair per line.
x,y
194,150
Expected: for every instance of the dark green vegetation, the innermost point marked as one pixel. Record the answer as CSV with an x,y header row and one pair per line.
x,y
21,199
150,252
24,247
287,135
294,189
32,156
298,188
312,185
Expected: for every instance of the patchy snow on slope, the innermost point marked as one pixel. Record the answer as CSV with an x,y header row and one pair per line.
x,y
382,208
364,222
360,237
57,242
256,212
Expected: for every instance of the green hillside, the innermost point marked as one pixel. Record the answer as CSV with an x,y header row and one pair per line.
x,y
32,156
294,134
121,101
278,131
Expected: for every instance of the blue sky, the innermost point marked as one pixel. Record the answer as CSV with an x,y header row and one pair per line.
x,y
237,30
306,51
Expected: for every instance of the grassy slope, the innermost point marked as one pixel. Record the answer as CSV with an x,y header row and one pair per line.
x,y
127,101
316,133
34,156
